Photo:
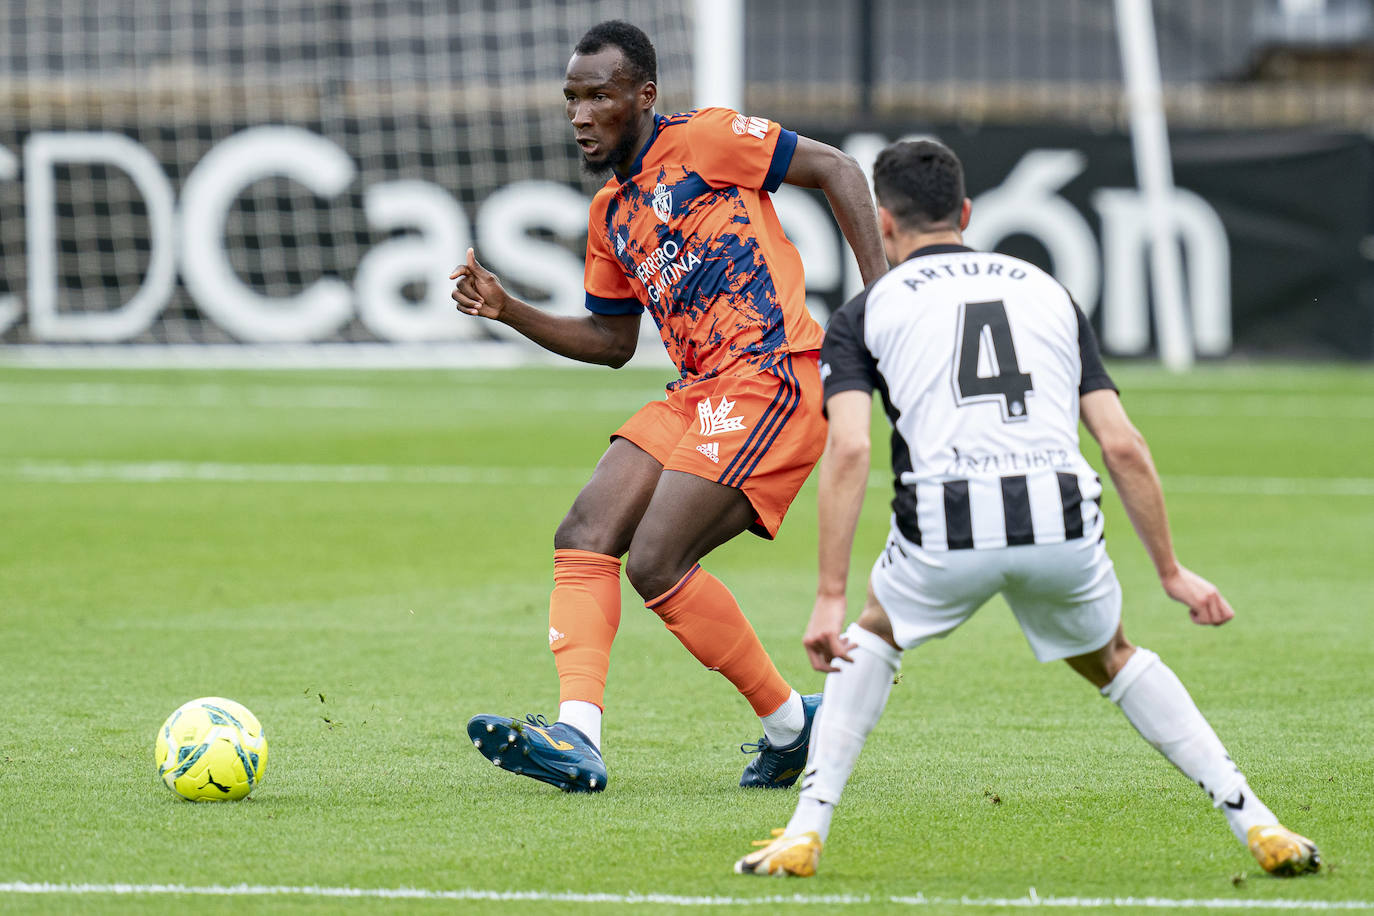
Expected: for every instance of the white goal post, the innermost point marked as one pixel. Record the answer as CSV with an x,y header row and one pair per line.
x,y
1154,173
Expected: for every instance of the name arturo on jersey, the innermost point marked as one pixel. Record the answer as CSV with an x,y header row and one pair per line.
x,y
980,359
691,235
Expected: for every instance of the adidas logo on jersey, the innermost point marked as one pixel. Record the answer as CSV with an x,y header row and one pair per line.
x,y
710,450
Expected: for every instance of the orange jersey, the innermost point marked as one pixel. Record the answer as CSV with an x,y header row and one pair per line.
x,y
691,234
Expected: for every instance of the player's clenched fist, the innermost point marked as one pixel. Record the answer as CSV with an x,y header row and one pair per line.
x,y
479,291
1206,605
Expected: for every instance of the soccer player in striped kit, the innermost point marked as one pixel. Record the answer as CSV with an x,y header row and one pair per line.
x,y
684,228
985,365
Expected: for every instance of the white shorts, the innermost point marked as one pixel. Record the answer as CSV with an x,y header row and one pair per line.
x,y
1065,596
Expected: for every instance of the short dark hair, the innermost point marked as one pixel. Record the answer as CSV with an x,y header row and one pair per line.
x,y
639,52
921,183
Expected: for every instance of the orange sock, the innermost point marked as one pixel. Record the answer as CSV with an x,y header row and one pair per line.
x,y
704,616
584,613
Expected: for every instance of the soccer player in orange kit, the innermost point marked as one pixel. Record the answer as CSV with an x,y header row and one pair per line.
x,y
685,228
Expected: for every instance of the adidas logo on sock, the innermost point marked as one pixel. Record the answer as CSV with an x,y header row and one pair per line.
x,y
555,636
710,450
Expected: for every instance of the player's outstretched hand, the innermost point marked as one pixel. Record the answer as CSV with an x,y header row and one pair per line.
x,y
823,641
479,291
1205,603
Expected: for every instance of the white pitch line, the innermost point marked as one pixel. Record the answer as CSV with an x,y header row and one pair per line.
x,y
1270,486
1227,485
221,472
58,471
458,398
1260,406
466,395
1031,900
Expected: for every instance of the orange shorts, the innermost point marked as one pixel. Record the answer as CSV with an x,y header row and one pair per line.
x,y
760,433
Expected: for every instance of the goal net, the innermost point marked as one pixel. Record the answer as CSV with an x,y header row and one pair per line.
x,y
289,171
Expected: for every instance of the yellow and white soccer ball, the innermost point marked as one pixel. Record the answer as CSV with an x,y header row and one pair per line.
x,y
211,749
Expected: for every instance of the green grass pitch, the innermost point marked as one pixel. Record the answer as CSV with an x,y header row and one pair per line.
x,y
363,559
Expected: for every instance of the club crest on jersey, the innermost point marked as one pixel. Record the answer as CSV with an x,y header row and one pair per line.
x,y
663,201
718,420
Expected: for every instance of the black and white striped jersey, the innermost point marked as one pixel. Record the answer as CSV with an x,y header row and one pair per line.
x,y
980,359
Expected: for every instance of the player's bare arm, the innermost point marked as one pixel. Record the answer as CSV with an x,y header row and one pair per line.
x,y
819,165
843,480
1128,461
608,340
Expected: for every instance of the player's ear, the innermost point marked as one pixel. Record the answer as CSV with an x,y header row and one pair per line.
x,y
887,223
964,213
648,95
887,229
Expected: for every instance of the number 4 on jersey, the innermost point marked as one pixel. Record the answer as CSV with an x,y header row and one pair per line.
x,y
985,367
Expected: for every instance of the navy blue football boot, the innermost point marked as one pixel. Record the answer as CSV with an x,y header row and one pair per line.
x,y
557,754
779,767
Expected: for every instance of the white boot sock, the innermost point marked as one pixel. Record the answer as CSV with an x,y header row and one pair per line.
x,y
854,700
783,726
583,716
1158,705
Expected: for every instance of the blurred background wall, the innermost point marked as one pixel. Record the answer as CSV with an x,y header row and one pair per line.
x,y
259,178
